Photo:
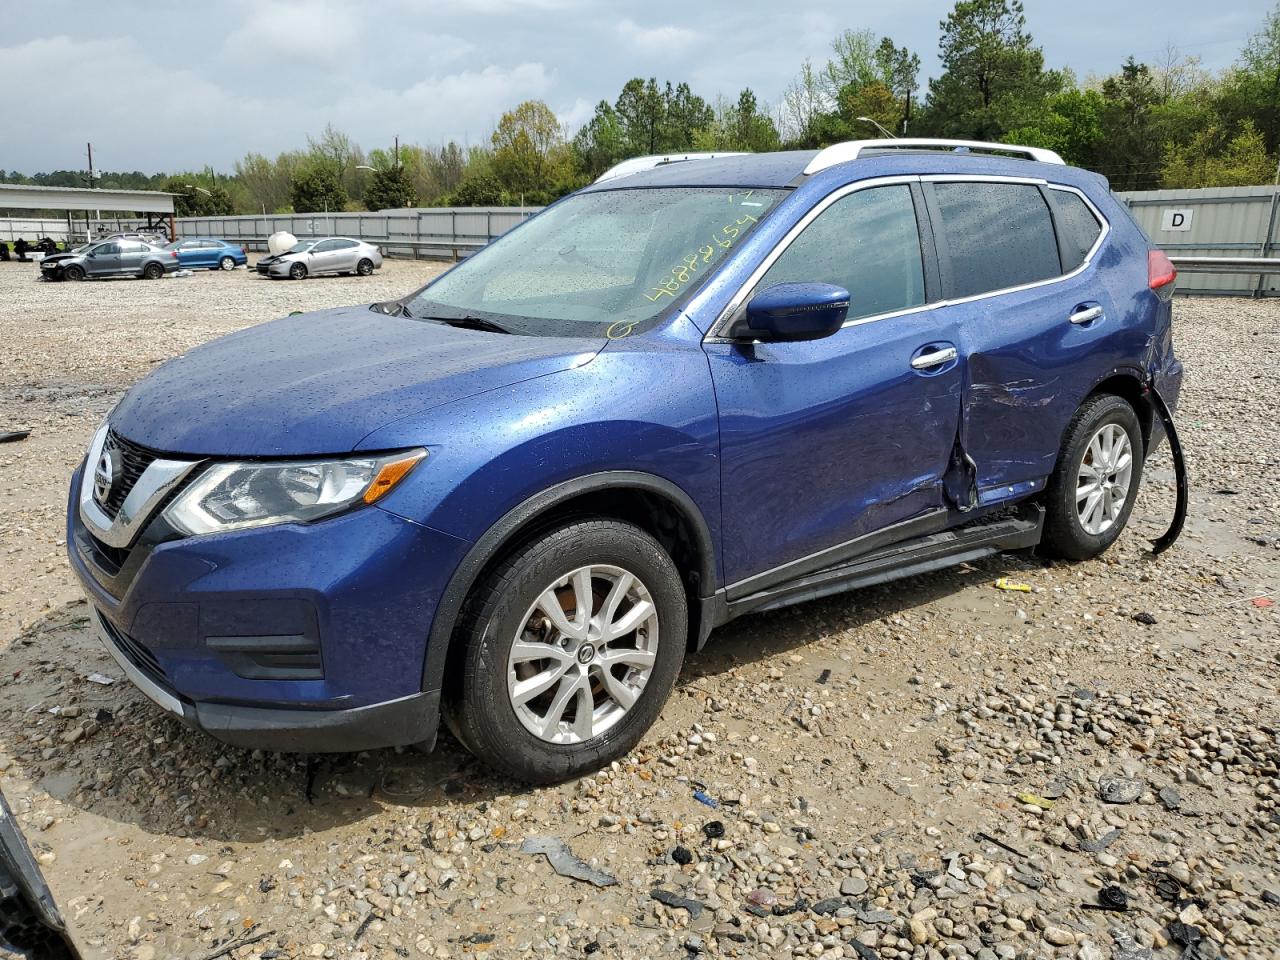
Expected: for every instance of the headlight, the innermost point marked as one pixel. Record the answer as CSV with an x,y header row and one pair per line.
x,y
234,496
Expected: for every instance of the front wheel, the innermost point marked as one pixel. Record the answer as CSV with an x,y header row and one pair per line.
x,y
1093,487
73,272
571,647
297,271
226,263
364,267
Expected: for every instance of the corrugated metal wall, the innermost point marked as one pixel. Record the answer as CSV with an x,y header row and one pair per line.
x,y
1214,222
434,232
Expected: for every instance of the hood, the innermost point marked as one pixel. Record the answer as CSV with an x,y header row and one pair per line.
x,y
59,257
318,383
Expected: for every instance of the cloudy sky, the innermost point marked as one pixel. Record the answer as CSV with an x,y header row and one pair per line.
x,y
161,86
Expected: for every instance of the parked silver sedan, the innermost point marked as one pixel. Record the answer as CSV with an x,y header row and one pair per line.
x,y
308,258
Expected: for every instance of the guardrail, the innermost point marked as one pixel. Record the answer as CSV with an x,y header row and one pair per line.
x,y
1250,265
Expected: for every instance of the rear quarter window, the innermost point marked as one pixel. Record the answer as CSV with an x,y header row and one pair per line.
x,y
998,235
1078,228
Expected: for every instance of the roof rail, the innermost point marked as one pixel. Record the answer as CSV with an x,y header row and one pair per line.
x,y
638,164
843,152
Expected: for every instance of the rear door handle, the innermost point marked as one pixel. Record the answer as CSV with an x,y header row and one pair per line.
x,y
1085,314
935,359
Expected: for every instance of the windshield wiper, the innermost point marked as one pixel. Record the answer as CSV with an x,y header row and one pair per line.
x,y
469,323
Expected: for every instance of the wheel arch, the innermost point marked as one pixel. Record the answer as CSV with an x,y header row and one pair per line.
x,y
652,503
1128,384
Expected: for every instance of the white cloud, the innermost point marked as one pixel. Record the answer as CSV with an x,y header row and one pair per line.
x,y
656,40
577,114
296,29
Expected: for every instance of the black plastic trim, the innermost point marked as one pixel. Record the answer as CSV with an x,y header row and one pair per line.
x,y
840,553
486,548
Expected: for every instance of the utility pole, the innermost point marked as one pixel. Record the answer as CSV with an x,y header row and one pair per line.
x,y
397,151
92,177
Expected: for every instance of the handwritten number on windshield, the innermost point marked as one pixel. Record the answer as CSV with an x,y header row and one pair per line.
x,y
687,268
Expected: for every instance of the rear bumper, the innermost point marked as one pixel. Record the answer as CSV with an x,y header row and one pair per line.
x,y
394,723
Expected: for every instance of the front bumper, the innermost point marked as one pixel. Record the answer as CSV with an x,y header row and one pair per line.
x,y
411,719
357,592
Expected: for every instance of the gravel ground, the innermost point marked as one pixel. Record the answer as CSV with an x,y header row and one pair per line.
x,y
931,769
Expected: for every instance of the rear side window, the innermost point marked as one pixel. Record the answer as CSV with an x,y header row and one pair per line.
x,y
999,235
866,242
1078,228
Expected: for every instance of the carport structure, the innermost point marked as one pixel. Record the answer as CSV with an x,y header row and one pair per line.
x,y
154,204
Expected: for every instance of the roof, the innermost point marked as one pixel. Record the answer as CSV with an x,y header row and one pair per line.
x,y
750,169
26,196
868,157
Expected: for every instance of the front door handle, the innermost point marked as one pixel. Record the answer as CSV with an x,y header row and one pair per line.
x,y
1086,314
935,359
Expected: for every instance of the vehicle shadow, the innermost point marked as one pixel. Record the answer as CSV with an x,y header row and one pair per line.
x,y
108,750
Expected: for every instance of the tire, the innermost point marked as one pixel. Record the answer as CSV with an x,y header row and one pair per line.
x,y
226,263
1079,526
497,722
298,271
364,267
153,271
73,272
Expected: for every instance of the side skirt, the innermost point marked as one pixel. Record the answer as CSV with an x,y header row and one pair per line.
x,y
907,558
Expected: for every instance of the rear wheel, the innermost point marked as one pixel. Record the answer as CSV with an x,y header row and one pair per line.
x,y
73,272
1093,487
297,271
226,263
364,267
153,271
572,646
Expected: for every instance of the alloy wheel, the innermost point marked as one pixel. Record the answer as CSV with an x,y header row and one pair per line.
x,y
584,652
1102,483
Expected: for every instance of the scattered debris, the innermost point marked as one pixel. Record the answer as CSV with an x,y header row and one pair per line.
x,y
713,829
706,799
101,678
1102,842
675,901
1262,602
1113,789
1035,801
1012,586
1001,844
13,436
824,676
1146,619
564,862
682,855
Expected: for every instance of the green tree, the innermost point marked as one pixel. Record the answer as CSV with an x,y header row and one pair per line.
x,y
1251,90
316,188
1211,159
1071,124
266,182
993,77
899,70
1130,149
601,142
738,125
529,154
389,189
478,190
195,199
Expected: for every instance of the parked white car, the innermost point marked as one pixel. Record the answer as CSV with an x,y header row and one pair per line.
x,y
321,255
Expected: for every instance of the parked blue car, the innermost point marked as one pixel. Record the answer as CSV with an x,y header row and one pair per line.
x,y
518,496
207,253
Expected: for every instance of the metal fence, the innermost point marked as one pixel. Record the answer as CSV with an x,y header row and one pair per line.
x,y
1240,223
435,232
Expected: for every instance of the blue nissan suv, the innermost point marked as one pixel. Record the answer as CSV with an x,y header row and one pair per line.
x,y
516,498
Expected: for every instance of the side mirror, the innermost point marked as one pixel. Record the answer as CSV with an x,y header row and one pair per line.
x,y
793,311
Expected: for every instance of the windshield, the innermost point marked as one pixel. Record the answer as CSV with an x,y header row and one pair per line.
x,y
604,263
302,246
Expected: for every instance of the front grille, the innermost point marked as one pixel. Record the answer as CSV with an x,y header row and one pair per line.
x,y
134,459
137,653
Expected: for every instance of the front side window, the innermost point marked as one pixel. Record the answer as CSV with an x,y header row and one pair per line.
x,y
105,249
302,246
867,243
324,246
998,235
602,263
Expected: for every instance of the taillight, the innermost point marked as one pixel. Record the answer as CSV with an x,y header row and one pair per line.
x,y
244,249
1161,274
174,254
